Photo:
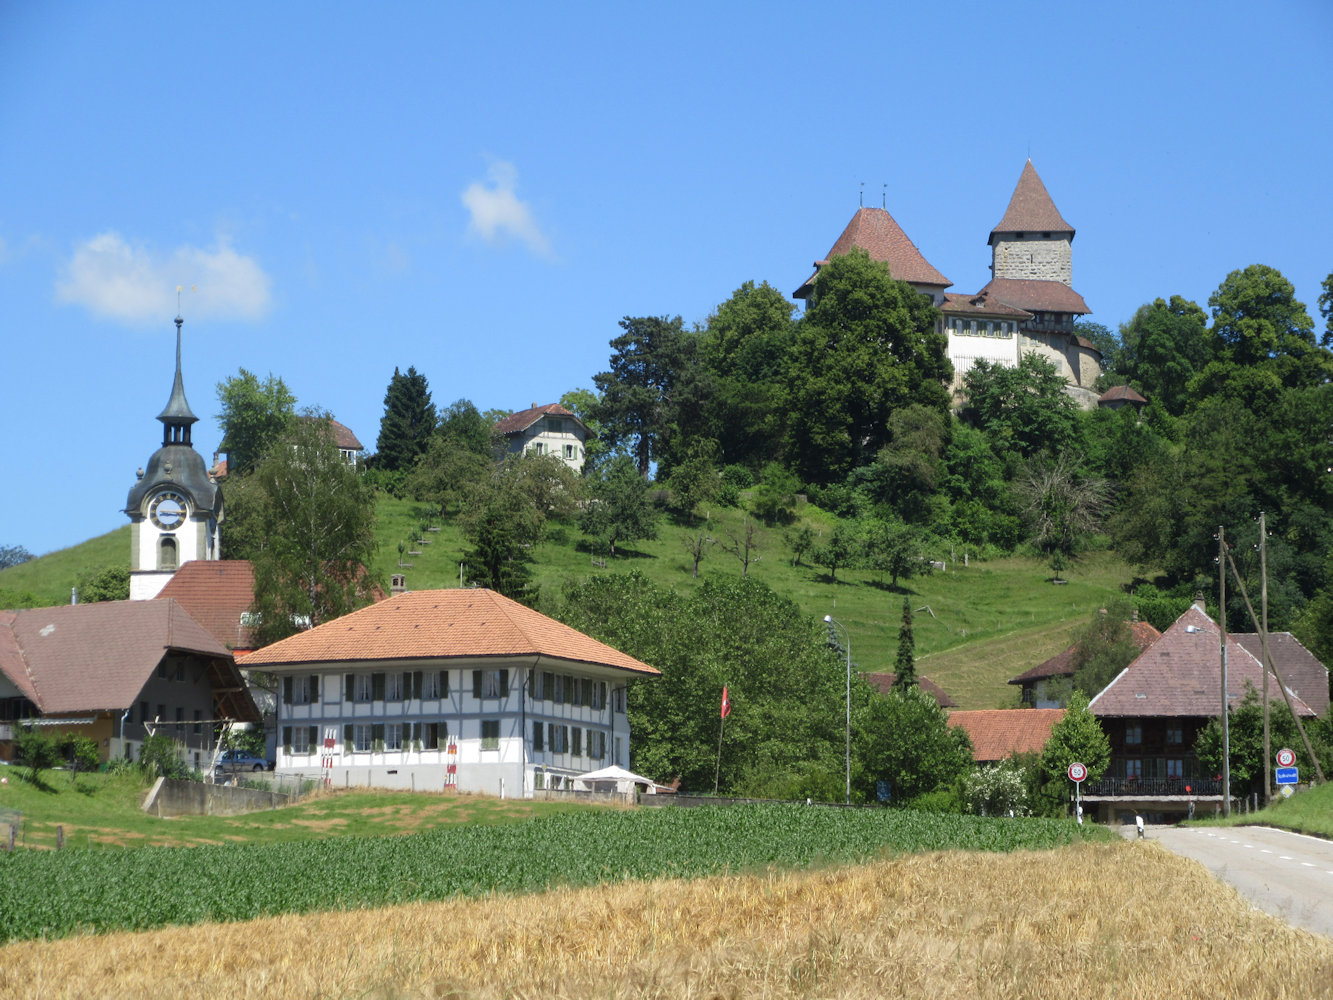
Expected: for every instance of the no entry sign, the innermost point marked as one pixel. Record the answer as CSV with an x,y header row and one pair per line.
x,y
1077,772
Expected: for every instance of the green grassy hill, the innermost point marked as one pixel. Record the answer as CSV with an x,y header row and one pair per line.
x,y
976,624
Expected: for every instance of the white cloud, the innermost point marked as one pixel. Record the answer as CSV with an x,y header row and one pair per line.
x,y
498,215
135,284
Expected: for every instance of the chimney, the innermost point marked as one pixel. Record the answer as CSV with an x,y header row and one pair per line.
x,y
397,584
1199,602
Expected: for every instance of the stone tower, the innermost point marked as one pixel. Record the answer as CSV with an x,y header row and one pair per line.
x,y
1032,242
175,506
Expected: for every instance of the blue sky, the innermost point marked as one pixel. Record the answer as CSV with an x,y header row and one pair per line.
x,y
484,191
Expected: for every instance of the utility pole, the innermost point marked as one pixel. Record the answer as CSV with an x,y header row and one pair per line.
x,y
1263,647
1222,639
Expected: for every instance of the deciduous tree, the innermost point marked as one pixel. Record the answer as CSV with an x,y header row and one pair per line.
x,y
1077,738
254,415
1165,345
1024,410
619,510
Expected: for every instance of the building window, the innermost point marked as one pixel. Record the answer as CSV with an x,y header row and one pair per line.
x,y
365,687
394,687
362,733
1175,768
556,687
198,729
167,553
300,739
393,735
538,448
300,689
618,701
1175,733
490,734
432,734
599,695
559,738
1134,769
569,452
435,685
596,744
576,742
143,712
538,731
490,684
1133,734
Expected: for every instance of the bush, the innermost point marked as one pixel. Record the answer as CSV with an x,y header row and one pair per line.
x,y
161,755
997,790
79,752
36,750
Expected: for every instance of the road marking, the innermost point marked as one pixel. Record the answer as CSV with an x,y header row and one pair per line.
x,y
1283,857
1307,864
1248,847
1267,851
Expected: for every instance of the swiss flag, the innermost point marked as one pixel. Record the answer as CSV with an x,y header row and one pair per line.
x,y
726,702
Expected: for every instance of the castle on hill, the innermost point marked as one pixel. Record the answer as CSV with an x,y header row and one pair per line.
x,y
1028,305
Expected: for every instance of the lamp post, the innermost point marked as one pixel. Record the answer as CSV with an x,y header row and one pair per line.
x,y
830,620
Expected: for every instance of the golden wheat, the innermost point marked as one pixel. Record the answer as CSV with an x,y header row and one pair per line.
x,y
1126,921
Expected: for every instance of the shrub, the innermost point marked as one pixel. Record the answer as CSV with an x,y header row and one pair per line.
x,y
161,755
996,790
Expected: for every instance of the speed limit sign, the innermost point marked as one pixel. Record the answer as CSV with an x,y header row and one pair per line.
x,y
1077,772
1285,758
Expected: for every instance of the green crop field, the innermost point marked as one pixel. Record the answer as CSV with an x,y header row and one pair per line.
x,y
976,623
101,891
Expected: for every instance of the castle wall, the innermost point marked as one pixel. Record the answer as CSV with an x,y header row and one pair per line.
x,y
1033,259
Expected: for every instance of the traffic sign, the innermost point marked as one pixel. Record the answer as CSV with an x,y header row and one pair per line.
x,y
1286,758
1286,791
1287,775
1077,772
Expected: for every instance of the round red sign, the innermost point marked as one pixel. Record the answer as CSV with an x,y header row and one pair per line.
x,y
1077,772
1286,758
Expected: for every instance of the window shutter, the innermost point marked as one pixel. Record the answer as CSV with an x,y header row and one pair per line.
x,y
504,683
314,739
347,729
476,684
286,736
416,684
444,684
287,691
377,687
351,688
313,682
377,731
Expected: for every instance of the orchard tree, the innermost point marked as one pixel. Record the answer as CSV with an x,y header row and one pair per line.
x,y
1062,507
408,421
619,510
316,520
254,415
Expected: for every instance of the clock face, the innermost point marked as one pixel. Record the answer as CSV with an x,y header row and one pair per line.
x,y
168,510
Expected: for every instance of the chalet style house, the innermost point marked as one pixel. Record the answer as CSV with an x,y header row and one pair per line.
x,y
449,689
546,430
1153,711
116,672
1028,305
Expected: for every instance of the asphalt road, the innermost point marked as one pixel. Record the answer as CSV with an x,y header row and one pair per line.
x,y
1287,874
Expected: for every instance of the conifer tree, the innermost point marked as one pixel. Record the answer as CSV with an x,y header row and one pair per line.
x,y
904,668
408,422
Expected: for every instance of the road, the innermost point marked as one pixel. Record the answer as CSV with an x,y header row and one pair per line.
x,y
1287,874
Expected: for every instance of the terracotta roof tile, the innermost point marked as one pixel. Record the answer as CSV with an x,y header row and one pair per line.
x,y
1031,208
1180,675
1061,664
1121,392
958,304
438,624
998,733
875,231
518,422
215,593
342,435
883,683
1036,296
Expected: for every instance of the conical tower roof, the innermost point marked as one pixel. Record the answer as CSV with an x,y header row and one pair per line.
x,y
876,232
1031,208
177,411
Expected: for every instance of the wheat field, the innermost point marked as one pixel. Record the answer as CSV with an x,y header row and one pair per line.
x,y
1127,920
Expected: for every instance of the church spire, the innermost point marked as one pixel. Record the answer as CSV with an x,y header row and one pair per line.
x,y
177,417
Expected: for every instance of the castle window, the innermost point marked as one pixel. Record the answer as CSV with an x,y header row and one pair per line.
x,y
167,553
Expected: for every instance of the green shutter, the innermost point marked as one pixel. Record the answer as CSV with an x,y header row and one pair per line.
x,y
287,691
476,684
286,736
444,684
377,687
314,739
504,684
416,684
377,732
351,687
347,733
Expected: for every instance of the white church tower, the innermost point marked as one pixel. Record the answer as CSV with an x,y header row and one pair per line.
x,y
175,506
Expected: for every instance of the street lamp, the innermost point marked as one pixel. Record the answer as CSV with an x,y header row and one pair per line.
x,y
830,620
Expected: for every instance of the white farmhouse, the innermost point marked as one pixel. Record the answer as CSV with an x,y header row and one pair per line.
x,y
440,689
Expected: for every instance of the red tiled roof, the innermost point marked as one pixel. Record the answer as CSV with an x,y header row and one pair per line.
x,y
1031,208
1120,392
215,593
1300,669
1180,675
342,435
883,683
1060,665
875,231
518,422
97,657
438,624
958,304
1036,296
998,733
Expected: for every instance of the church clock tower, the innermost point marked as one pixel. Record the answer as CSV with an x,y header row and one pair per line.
x,y
175,506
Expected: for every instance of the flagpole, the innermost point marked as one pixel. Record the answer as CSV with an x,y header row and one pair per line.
x,y
721,727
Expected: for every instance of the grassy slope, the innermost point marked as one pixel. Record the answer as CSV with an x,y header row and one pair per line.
x,y
986,622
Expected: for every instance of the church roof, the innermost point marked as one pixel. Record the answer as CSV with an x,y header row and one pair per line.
x,y
1031,208
216,593
177,411
875,231
1036,296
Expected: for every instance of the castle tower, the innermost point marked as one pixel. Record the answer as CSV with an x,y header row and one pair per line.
x,y
175,506
1033,241
876,232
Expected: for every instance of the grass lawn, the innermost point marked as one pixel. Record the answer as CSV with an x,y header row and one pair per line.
x,y
103,811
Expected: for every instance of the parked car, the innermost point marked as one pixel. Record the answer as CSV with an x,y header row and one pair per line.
x,y
236,761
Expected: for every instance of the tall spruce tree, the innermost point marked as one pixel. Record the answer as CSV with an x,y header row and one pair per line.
x,y
408,422
904,668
